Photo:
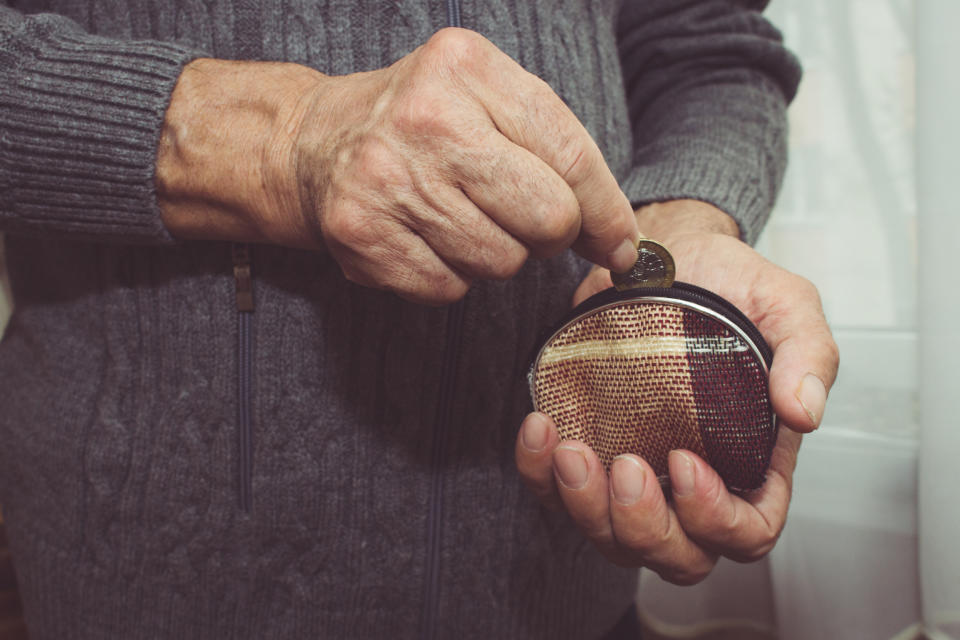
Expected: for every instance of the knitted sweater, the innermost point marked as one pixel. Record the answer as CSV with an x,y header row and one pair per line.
x,y
337,463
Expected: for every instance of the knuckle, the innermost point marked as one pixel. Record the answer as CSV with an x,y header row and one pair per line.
x,y
644,539
833,353
727,530
760,547
454,48
543,104
565,221
575,163
504,264
576,160
557,227
716,506
804,288
667,533
807,286
515,260
662,538
609,228
486,254
378,163
445,288
723,527
344,227
807,291
424,114
765,546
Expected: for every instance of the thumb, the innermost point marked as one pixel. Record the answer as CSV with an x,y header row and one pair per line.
x,y
805,358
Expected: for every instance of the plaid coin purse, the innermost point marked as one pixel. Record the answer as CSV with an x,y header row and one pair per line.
x,y
649,370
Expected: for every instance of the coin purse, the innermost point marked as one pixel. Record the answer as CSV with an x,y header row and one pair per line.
x,y
649,370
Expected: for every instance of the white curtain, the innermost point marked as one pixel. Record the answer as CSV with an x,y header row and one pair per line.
x,y
858,559
938,143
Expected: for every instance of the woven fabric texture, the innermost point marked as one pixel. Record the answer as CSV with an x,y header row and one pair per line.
x,y
648,377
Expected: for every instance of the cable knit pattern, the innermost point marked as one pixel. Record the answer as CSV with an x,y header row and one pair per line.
x,y
118,372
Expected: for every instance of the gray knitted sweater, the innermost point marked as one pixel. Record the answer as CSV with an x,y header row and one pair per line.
x,y
338,463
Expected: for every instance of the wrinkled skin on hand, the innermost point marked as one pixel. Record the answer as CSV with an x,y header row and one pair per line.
x,y
451,165
625,513
455,164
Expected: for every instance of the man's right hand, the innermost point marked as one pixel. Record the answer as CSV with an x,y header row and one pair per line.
x,y
452,164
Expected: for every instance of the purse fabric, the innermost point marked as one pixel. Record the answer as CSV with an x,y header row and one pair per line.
x,y
649,375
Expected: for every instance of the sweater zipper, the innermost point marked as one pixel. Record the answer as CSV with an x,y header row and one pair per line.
x,y
453,13
431,598
244,300
440,427
248,45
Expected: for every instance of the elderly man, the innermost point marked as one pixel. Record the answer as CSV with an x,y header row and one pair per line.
x,y
278,267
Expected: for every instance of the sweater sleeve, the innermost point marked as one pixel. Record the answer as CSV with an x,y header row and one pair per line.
x,y
707,85
80,118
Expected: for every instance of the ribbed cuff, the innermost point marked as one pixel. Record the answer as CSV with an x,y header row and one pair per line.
x,y
727,151
80,119
707,177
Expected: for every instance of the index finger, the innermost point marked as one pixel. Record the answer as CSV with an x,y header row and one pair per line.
x,y
530,114
744,529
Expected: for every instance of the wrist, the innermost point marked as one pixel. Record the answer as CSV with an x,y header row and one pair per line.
x,y
666,221
225,157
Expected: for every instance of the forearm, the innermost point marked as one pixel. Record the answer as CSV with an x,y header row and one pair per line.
x,y
225,162
666,221
695,149
452,164
707,85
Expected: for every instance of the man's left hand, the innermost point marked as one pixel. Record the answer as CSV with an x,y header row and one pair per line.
x,y
625,513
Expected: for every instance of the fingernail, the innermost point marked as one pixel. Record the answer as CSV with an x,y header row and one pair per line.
x,y
624,257
534,435
571,467
627,479
812,395
683,473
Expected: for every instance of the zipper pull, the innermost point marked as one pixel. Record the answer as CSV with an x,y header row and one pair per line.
x,y
242,277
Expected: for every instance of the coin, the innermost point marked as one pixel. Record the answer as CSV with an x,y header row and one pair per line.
x,y
654,268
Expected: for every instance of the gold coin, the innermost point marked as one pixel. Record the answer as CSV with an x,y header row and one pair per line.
x,y
654,268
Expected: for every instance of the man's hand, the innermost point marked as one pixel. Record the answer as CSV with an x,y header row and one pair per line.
x,y
626,514
452,164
